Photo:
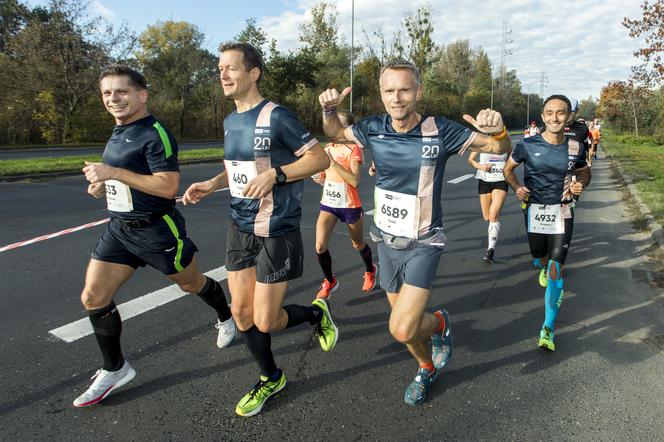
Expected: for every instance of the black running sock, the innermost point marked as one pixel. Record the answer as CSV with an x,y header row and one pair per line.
x,y
213,295
367,257
107,325
299,314
260,346
325,261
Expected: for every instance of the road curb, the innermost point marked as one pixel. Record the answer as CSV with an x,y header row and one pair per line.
x,y
63,173
656,230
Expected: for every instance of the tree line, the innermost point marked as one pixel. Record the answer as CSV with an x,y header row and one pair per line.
x,y
50,58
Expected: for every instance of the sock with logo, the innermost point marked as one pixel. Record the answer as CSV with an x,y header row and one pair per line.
x,y
494,230
325,261
260,346
213,295
367,257
553,296
299,314
107,326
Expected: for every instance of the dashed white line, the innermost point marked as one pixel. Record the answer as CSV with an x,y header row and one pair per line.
x,y
461,178
81,328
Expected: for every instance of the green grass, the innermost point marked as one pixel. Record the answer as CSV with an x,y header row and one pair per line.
x,y
26,166
643,159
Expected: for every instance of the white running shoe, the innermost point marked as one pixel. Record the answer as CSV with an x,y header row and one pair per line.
x,y
227,332
104,384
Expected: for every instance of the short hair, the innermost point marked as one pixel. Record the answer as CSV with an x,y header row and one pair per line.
x,y
401,64
136,79
561,98
251,57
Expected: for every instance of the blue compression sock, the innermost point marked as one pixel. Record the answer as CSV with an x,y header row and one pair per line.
x,y
553,297
537,263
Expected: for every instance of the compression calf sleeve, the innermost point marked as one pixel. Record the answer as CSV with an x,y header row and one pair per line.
x,y
213,295
260,346
493,231
325,261
553,296
107,326
299,314
367,257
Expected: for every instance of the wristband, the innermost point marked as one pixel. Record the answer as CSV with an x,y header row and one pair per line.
x,y
501,135
329,111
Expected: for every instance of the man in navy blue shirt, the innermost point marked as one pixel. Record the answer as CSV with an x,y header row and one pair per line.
x,y
550,185
139,175
267,154
410,151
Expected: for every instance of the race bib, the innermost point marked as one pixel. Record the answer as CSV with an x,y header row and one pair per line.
x,y
334,195
118,196
396,213
547,219
239,174
496,173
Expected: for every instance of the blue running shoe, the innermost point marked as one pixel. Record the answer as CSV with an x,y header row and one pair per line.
x,y
417,389
441,343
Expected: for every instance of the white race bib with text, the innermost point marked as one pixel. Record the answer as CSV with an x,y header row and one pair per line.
x,y
547,219
334,195
396,213
118,196
239,174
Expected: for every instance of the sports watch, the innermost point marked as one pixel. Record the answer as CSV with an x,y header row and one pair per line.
x,y
281,176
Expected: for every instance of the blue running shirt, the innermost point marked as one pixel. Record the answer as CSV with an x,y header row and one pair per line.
x,y
257,140
143,147
548,168
409,170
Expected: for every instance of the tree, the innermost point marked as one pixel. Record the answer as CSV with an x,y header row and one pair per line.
x,y
651,27
587,108
253,35
321,33
172,56
420,46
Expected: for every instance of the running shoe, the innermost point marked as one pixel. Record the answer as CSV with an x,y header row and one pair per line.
x,y
441,343
104,384
488,256
227,332
326,288
370,280
326,330
252,403
546,339
543,278
417,390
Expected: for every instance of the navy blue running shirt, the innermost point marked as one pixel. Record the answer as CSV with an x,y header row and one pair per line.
x,y
269,135
144,147
413,163
547,167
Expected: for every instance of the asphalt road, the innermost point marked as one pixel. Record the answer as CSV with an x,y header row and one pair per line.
x,y
58,152
604,382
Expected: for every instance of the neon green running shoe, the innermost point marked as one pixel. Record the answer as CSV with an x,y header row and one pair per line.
x,y
543,278
546,339
326,330
252,403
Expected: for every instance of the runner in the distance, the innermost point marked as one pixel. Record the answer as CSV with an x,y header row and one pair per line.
x,y
341,202
549,186
267,154
531,130
492,188
139,174
410,151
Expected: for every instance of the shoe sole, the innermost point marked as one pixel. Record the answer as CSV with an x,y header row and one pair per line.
x,y
425,391
336,329
375,280
334,289
125,380
258,410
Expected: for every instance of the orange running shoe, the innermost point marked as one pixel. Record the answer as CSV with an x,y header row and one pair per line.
x,y
369,280
326,288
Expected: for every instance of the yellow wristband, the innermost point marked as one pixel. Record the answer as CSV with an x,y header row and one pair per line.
x,y
501,135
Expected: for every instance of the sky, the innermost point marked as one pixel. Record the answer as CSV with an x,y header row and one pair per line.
x,y
579,45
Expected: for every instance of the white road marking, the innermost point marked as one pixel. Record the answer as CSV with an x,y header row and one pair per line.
x,y
369,212
81,328
461,178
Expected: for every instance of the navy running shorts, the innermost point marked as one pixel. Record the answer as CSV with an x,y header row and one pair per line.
x,y
416,266
348,216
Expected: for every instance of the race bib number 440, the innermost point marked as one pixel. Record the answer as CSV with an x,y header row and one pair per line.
x,y
546,219
396,213
239,174
118,196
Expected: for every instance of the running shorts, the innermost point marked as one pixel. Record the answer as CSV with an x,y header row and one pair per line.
x,y
416,266
484,187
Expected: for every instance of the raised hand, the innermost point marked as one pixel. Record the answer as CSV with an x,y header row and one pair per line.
x,y
331,98
488,121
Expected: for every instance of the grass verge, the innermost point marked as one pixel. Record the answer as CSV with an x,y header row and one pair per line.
x,y
643,159
9,168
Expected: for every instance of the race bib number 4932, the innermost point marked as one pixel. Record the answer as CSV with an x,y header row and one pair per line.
x,y
546,219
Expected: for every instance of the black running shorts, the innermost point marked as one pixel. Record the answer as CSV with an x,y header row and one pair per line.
x,y
554,246
487,187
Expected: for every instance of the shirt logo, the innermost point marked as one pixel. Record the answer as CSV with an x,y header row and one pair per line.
x,y
381,136
538,154
127,140
305,135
